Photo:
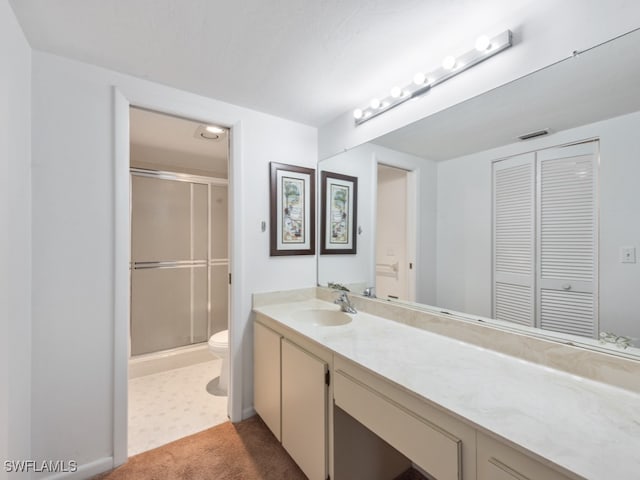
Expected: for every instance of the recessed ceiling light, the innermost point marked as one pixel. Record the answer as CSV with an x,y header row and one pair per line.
x,y
214,129
209,132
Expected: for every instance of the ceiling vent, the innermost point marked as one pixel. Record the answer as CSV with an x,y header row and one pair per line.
x,y
539,133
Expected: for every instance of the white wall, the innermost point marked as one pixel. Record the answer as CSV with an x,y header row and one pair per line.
x,y
360,268
464,222
73,243
545,31
15,241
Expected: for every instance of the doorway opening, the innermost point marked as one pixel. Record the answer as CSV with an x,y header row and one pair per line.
x,y
179,277
395,233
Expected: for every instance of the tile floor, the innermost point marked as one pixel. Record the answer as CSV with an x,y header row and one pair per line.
x,y
169,405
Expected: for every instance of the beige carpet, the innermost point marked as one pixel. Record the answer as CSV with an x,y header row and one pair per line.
x,y
241,451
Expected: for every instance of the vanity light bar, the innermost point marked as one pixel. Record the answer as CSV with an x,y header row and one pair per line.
x,y
423,82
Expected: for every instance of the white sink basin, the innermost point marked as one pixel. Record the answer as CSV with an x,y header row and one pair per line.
x,y
323,317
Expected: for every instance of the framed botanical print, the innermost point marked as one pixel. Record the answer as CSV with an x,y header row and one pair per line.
x,y
339,213
292,205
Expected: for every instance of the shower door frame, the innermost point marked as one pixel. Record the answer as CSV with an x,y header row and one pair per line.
x,y
178,106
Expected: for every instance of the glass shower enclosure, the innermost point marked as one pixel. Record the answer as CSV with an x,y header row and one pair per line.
x,y
179,259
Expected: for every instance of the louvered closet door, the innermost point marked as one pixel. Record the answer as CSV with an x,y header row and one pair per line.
x,y
567,253
513,239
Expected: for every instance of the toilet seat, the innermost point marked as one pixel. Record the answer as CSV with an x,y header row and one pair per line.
x,y
219,340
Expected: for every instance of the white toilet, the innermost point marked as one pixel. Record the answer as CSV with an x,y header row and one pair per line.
x,y
219,346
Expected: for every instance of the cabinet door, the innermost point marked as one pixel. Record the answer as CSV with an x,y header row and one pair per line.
x,y
304,410
266,386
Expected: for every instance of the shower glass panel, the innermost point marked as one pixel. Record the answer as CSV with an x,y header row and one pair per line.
x,y
219,219
162,314
219,293
161,220
179,288
219,264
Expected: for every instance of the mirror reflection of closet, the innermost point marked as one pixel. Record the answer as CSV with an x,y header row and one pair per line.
x,y
545,239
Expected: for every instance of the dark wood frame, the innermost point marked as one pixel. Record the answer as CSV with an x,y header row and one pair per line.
x,y
311,221
325,177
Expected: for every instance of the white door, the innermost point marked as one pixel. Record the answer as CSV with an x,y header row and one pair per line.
x,y
394,262
545,239
514,239
567,246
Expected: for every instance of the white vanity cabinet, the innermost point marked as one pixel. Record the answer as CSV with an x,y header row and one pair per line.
x,y
266,368
291,395
497,461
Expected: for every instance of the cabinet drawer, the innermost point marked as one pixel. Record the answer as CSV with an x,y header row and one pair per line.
x,y
497,461
427,445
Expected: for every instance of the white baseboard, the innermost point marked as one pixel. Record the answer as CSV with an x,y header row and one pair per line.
x,y
248,412
86,470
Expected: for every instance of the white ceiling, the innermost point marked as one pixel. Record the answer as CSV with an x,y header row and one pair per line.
x,y
598,84
305,60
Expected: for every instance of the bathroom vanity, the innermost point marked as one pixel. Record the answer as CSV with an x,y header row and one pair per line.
x,y
369,394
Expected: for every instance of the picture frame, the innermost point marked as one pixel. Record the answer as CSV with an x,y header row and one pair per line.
x,y
292,210
339,214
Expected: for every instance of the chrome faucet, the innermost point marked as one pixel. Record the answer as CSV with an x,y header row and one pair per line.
x,y
370,292
345,303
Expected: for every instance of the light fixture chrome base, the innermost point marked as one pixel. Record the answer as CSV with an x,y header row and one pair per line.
x,y
458,65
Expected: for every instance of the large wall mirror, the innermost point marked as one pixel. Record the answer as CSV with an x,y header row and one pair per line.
x,y
457,214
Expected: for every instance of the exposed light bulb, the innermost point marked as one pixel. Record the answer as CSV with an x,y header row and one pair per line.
x,y
358,114
483,43
419,78
396,92
449,62
374,103
214,129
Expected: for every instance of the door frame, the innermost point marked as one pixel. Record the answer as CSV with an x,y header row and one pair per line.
x,y
123,99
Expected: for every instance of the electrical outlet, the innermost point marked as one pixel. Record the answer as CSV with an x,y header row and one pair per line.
x,y
627,254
